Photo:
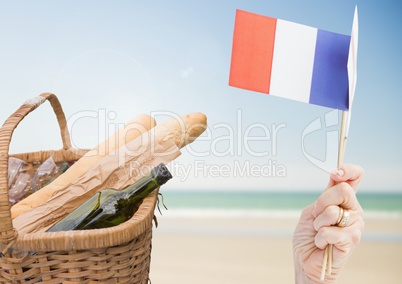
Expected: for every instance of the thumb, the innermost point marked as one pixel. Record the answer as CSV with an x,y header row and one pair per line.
x,y
349,173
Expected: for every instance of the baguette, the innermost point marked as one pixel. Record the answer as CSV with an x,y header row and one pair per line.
x,y
184,129
160,144
133,129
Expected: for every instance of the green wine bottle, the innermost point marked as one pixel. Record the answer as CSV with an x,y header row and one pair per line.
x,y
110,207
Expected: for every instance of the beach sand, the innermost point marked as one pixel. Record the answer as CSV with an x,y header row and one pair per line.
x,y
259,250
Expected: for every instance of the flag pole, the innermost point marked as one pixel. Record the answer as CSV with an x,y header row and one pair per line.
x,y
327,261
346,115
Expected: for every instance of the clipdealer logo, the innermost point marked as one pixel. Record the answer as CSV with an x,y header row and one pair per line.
x,y
330,127
202,169
227,140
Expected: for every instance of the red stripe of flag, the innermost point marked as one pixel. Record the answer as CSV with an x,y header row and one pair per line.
x,y
252,52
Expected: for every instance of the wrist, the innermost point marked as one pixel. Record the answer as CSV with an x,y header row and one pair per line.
x,y
300,275
301,278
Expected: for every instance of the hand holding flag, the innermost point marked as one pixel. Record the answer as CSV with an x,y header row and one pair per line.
x,y
298,62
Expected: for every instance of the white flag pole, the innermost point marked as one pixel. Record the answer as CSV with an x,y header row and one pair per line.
x,y
345,123
327,261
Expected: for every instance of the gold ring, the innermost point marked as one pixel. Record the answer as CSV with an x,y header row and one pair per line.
x,y
345,219
340,216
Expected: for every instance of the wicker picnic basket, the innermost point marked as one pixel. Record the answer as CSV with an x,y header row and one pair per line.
x,y
119,254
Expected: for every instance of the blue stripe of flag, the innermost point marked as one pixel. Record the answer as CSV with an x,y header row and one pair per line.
x,y
329,86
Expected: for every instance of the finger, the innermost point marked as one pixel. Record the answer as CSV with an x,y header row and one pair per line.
x,y
351,174
341,194
327,218
344,239
335,176
333,215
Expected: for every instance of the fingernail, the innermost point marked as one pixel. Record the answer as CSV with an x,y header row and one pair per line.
x,y
338,172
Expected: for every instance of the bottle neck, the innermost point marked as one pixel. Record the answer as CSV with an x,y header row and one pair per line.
x,y
139,185
157,177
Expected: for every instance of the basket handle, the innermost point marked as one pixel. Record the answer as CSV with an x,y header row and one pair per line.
x,y
8,235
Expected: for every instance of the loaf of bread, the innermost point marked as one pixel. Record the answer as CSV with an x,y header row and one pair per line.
x,y
133,129
184,129
160,144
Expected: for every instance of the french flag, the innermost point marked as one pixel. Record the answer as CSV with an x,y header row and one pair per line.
x,y
290,60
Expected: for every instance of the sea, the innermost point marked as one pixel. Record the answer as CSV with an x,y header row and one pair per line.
x,y
223,204
286,203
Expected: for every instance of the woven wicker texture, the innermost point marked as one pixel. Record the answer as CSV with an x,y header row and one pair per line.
x,y
119,254
126,263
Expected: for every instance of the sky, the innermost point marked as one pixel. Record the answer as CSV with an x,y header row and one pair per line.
x,y
109,61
